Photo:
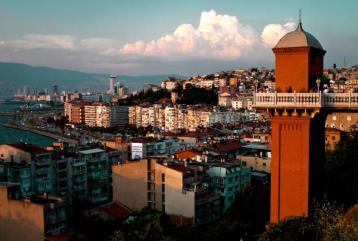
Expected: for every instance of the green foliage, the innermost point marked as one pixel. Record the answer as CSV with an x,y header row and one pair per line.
x,y
327,222
50,120
87,225
193,95
296,228
61,122
148,96
341,168
247,216
148,225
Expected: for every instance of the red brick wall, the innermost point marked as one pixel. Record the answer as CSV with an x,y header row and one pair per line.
x,y
290,167
298,68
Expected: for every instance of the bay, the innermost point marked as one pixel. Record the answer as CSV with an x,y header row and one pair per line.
x,y
10,135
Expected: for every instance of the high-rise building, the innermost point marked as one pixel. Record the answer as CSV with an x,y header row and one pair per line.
x,y
112,80
55,90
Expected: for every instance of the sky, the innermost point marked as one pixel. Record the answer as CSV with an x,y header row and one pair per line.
x,y
187,37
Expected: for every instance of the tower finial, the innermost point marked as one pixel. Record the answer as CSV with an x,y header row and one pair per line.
x,y
299,26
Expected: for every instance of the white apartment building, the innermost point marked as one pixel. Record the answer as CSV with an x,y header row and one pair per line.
x,y
178,117
90,115
170,120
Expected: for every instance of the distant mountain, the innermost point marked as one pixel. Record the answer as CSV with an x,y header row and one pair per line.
x,y
15,76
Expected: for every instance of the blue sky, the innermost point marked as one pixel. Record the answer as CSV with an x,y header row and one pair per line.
x,y
149,37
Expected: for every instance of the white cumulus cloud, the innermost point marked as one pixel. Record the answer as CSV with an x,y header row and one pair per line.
x,y
272,33
217,37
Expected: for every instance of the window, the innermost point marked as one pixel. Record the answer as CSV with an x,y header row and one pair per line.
x,y
163,177
264,164
333,137
163,187
163,198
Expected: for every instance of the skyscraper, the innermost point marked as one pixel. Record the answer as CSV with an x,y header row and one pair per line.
x,y
112,80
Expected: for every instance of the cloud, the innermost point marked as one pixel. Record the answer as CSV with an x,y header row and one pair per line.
x,y
217,36
62,42
218,41
100,44
272,33
39,41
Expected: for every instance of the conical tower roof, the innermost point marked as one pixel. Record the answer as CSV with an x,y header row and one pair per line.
x,y
298,38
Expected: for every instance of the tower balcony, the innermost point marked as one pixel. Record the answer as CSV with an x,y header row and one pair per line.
x,y
330,101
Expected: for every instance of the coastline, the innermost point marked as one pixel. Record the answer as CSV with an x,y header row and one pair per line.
x,y
41,132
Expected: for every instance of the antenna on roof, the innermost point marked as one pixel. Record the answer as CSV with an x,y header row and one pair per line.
x,y
299,26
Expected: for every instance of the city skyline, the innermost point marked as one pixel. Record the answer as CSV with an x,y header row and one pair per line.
x,y
196,38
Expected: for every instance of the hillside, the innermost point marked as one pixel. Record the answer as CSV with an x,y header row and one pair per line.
x,y
14,76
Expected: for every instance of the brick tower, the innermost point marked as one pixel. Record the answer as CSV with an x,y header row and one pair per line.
x,y
298,133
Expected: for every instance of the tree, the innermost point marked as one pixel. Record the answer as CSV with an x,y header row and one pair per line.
x,y
247,217
148,225
327,221
193,95
341,168
50,120
292,229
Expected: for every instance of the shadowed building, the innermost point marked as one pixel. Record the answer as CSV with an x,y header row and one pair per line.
x,y
29,219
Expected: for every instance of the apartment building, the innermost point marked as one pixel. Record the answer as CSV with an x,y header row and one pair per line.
x,y
98,175
256,156
170,120
242,102
332,137
33,218
342,121
146,147
226,179
179,117
96,114
120,145
40,163
90,115
167,187
84,175
75,111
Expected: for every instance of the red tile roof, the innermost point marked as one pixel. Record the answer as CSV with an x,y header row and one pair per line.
x,y
226,146
180,168
188,154
116,210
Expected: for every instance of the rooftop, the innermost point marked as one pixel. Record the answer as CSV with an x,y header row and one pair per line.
x,y
258,147
187,154
298,38
226,146
91,151
179,167
26,147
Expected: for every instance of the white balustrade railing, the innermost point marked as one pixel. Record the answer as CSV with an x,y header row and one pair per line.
x,y
306,100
